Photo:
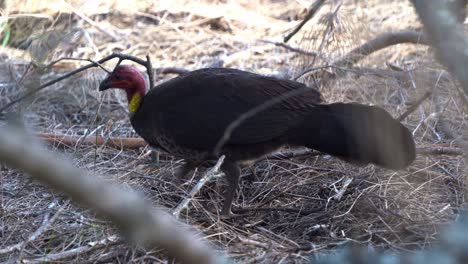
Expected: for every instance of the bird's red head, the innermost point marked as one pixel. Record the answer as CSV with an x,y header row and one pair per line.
x,y
129,79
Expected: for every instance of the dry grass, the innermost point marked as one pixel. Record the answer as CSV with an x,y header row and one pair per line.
x,y
291,210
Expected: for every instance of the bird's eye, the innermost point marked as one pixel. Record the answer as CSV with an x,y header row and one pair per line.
x,y
117,77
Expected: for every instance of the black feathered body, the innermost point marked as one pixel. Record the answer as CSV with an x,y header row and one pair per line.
x,y
188,115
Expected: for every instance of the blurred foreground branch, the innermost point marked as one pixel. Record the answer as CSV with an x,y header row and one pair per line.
x,y
447,35
453,248
136,218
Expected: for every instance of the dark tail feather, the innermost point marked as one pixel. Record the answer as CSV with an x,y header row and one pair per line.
x,y
358,133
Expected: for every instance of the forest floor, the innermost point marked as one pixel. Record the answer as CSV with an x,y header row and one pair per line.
x,y
292,208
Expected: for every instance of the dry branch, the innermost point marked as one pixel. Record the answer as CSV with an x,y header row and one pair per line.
x,y
72,141
136,218
440,151
380,42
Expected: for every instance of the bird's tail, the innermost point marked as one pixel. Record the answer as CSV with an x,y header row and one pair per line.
x,y
358,133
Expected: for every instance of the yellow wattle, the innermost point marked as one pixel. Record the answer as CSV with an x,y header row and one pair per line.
x,y
134,103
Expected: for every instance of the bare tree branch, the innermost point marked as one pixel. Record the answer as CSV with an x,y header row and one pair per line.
x,y
380,42
135,217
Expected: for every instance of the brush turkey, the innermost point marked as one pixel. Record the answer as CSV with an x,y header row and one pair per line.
x,y
188,115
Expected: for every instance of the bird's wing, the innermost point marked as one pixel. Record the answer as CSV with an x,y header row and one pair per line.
x,y
199,123
198,114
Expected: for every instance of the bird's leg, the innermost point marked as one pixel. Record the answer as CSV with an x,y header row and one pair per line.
x,y
154,156
182,172
232,171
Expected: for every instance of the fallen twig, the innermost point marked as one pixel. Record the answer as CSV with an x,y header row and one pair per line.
x,y
295,153
300,211
440,151
71,141
208,175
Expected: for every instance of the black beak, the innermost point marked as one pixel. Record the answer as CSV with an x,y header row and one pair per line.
x,y
105,84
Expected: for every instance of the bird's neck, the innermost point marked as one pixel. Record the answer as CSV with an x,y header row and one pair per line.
x,y
134,102
135,99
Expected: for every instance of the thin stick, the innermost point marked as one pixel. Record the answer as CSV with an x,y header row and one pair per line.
x,y
208,175
293,49
72,141
414,106
150,72
65,76
313,10
77,59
